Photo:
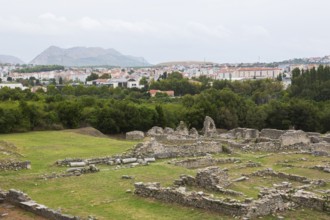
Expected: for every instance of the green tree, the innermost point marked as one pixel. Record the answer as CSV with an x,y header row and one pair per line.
x,y
92,77
104,76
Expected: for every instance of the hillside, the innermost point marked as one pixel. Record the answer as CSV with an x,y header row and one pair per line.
x,y
86,56
10,59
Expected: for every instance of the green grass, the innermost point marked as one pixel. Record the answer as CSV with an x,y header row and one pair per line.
x,y
103,194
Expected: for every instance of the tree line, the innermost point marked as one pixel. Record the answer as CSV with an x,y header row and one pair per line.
x,y
253,103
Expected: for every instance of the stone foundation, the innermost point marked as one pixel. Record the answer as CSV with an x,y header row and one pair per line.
x,y
158,149
22,200
204,162
106,160
270,200
293,177
14,165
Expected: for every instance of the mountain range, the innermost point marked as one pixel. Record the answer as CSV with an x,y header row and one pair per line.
x,y
10,59
87,56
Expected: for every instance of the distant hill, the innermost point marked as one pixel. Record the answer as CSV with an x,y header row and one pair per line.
x,y
87,56
10,59
184,63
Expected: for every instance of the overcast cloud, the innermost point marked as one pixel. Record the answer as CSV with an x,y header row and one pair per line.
x,y
167,30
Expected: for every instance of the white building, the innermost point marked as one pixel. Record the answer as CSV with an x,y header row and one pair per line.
x,y
256,73
12,85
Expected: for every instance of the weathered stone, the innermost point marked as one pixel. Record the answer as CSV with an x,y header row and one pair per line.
x,y
128,160
209,128
127,177
134,135
271,133
244,133
14,165
22,200
242,178
151,159
193,133
168,130
294,137
77,164
315,139
154,131
211,177
204,162
182,129
156,149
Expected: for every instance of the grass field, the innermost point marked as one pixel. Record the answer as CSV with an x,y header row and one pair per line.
x,y
103,194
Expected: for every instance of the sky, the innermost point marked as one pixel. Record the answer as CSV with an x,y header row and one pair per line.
x,y
170,30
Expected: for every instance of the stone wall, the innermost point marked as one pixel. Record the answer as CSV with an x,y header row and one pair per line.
x,y
157,149
23,201
116,160
198,200
290,138
212,176
270,201
293,177
204,162
76,171
14,165
245,133
271,133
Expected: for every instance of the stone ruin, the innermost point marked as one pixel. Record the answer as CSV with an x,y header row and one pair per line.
x,y
176,148
209,128
182,142
110,160
75,171
210,178
270,201
169,143
22,200
134,135
293,177
14,165
193,163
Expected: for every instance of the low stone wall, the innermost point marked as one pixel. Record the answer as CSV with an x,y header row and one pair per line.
x,y
14,165
291,137
198,200
211,178
106,160
275,146
270,200
76,171
293,177
204,162
244,133
271,133
157,149
309,200
22,200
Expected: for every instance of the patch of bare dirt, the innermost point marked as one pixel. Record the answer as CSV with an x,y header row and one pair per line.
x,y
10,212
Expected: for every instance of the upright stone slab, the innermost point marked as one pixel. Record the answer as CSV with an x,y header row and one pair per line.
x,y
134,135
209,128
154,131
193,133
294,137
182,129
